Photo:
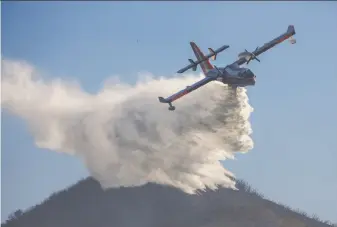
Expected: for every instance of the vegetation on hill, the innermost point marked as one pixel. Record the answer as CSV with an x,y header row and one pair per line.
x,y
86,205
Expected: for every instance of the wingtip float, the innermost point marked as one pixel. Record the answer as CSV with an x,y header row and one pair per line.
x,y
233,75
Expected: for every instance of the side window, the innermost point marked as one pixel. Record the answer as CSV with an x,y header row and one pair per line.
x,y
230,71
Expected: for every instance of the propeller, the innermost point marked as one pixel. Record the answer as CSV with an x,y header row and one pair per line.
x,y
252,56
217,69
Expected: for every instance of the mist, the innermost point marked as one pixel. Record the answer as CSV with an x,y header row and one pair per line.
x,y
124,136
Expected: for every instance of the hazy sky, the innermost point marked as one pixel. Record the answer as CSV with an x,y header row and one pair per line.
x,y
294,160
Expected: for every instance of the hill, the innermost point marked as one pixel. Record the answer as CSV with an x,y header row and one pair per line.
x,y
87,205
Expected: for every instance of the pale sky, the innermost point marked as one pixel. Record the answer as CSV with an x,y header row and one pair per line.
x,y
294,160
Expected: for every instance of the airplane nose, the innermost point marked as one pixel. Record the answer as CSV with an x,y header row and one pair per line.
x,y
252,75
253,78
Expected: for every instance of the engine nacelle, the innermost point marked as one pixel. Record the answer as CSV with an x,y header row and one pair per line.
x,y
246,55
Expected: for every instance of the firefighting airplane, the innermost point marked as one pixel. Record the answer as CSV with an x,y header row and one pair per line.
x,y
232,75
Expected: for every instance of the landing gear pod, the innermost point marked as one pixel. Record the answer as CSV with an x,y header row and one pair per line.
x,y
172,108
292,40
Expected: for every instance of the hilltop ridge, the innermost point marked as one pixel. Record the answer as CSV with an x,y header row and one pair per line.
x,y
86,204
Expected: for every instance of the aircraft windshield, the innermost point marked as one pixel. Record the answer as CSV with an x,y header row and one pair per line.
x,y
236,68
232,67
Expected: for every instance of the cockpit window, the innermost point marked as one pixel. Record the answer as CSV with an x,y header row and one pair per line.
x,y
232,67
236,68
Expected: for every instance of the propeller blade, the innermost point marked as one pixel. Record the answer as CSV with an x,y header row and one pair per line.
x,y
249,60
217,69
252,55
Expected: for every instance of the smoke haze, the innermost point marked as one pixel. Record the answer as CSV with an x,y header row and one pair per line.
x,y
124,136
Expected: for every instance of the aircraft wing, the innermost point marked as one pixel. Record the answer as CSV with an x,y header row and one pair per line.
x,y
289,33
185,91
194,64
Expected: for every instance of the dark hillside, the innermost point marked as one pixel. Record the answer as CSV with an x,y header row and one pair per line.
x,y
87,205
